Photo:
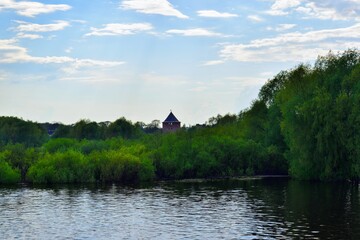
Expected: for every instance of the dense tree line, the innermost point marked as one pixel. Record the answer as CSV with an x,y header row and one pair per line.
x,y
305,122
85,129
15,130
317,109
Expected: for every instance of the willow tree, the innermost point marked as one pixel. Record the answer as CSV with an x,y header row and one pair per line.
x,y
320,117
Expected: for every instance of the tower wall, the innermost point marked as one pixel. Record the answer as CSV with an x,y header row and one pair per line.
x,y
171,126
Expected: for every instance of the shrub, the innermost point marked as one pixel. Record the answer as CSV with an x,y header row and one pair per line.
x,y
61,167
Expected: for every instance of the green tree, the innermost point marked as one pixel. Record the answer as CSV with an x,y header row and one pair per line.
x,y
15,130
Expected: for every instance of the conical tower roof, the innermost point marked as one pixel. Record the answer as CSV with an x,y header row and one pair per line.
x,y
171,118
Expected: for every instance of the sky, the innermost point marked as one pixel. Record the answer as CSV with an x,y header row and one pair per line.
x,y
62,60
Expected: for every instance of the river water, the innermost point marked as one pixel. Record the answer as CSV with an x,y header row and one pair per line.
x,y
227,209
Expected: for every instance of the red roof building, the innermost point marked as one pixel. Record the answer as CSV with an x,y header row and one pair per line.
x,y
171,123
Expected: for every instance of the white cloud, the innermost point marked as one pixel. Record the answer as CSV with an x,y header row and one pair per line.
x,y
28,36
213,62
195,32
294,46
322,9
285,4
255,18
34,27
10,52
282,27
312,36
285,26
31,9
9,45
161,7
113,29
279,6
215,14
311,10
287,53
99,78
94,76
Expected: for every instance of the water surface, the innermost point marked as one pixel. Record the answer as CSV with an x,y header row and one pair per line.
x,y
227,209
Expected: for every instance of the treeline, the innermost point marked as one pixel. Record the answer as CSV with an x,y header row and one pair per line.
x,y
305,122
85,129
15,130
220,148
317,110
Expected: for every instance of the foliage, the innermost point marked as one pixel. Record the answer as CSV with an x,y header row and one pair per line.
x,y
85,129
15,130
61,167
123,128
206,154
7,173
127,164
320,118
121,166
19,157
306,122
60,145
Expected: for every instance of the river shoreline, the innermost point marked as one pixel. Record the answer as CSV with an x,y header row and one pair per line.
x,y
257,177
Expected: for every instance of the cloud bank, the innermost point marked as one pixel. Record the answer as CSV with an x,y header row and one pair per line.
x,y
10,52
161,7
215,14
34,27
113,29
194,32
293,46
31,9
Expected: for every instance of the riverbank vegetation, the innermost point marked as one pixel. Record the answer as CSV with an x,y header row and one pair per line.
x,y
305,122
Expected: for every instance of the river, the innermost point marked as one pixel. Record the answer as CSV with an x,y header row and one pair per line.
x,y
270,208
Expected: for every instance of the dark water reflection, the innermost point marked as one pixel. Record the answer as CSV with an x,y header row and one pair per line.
x,y
251,209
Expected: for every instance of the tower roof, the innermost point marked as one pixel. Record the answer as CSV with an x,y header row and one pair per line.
x,y
171,118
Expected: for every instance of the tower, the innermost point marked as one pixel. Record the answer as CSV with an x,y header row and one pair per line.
x,y
171,123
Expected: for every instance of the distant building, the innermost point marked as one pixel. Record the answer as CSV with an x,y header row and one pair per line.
x,y
171,124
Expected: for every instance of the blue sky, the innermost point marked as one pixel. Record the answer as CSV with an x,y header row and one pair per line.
x,y
67,60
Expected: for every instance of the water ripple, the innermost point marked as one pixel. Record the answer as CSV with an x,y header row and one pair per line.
x,y
220,210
